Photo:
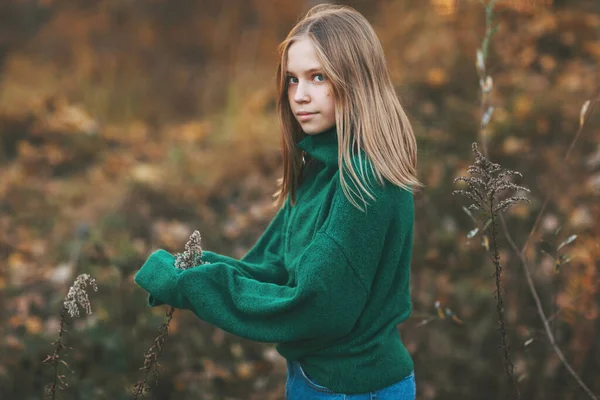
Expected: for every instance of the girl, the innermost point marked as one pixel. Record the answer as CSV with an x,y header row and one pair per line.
x,y
328,281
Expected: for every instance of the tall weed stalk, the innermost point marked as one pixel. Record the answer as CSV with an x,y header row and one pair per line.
x,y
486,85
76,298
191,257
485,185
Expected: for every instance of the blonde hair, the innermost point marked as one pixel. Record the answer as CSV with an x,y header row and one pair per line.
x,y
369,116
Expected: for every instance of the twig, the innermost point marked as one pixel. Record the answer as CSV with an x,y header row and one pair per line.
x,y
540,309
151,356
509,366
58,381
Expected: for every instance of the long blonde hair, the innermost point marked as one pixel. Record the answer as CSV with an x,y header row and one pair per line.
x,y
368,113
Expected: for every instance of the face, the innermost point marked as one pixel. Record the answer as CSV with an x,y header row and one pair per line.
x,y
309,91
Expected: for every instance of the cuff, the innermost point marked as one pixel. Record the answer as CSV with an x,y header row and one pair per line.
x,y
158,276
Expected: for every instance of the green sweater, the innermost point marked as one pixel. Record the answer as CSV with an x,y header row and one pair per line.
x,y
327,282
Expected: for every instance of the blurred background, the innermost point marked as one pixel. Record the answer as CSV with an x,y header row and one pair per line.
x,y
126,125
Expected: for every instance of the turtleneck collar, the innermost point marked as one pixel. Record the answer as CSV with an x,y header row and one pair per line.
x,y
322,146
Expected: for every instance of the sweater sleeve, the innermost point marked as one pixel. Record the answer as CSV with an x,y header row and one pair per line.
x,y
264,261
326,300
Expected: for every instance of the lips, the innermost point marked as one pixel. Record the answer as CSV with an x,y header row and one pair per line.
x,y
304,117
304,113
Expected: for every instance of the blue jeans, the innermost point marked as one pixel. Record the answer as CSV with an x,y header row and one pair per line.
x,y
300,387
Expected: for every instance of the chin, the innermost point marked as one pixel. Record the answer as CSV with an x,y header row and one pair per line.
x,y
313,130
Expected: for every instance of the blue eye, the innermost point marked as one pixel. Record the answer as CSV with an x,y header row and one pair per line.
x,y
319,78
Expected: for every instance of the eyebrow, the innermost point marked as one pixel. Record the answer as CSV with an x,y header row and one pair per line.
x,y
308,70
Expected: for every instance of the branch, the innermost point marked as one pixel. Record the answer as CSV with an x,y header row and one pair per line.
x,y
540,309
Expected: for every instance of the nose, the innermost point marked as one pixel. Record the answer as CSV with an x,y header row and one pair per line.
x,y
301,94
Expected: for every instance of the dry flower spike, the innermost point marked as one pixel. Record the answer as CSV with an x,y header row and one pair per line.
x,y
75,298
78,297
486,183
192,256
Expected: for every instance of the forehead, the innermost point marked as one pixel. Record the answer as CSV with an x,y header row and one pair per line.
x,y
302,57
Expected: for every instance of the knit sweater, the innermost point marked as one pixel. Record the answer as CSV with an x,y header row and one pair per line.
x,y
327,282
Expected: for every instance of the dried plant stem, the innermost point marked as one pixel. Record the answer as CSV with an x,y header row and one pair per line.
x,y
151,356
509,368
489,32
485,182
58,348
55,358
476,189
